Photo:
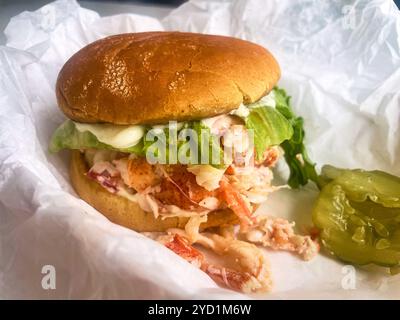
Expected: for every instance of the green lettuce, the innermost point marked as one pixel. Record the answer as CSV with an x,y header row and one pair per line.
x,y
301,167
67,136
269,126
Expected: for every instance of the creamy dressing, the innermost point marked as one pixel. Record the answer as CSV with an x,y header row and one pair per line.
x,y
126,194
174,211
117,136
268,100
241,112
244,110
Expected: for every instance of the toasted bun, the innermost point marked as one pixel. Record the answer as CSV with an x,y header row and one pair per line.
x,y
154,77
127,213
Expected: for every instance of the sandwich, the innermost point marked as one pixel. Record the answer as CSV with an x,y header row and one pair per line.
x,y
175,135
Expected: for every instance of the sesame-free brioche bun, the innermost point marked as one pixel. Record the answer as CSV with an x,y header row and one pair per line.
x,y
154,77
128,213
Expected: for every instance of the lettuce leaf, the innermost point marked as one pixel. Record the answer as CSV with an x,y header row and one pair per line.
x,y
269,126
301,167
67,136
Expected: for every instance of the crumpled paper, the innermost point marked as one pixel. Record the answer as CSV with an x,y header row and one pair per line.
x,y
340,61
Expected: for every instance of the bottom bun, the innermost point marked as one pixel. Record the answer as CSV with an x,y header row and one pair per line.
x,y
128,213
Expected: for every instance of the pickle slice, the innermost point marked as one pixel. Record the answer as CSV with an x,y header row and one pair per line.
x,y
360,185
358,213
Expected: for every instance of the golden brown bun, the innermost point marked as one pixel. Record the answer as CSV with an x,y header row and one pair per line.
x,y
154,77
125,212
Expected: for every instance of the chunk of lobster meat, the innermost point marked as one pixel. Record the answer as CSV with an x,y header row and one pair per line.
x,y
137,173
236,203
106,175
179,187
278,234
248,269
219,125
248,158
181,246
233,279
246,178
270,156
238,279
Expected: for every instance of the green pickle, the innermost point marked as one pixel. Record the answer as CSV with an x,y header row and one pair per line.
x,y
358,214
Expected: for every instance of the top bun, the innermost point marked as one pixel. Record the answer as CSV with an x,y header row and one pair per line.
x,y
155,77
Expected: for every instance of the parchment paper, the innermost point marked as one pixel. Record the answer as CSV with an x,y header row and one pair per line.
x,y
340,61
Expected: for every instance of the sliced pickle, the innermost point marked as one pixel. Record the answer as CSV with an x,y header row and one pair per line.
x,y
358,213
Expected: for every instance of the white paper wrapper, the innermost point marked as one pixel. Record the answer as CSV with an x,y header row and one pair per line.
x,y
341,64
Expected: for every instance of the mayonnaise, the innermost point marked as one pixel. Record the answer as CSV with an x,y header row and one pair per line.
x,y
117,136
